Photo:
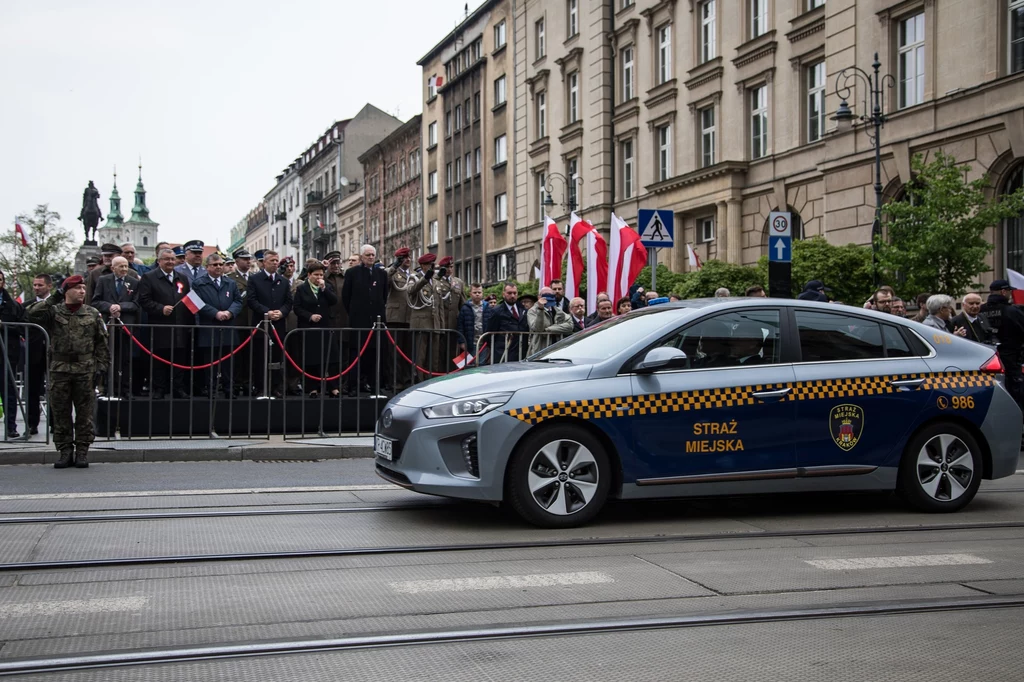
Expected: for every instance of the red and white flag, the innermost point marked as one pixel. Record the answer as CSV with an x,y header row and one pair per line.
x,y
694,258
194,302
319,225
552,251
597,261
21,298
20,231
626,259
462,359
435,81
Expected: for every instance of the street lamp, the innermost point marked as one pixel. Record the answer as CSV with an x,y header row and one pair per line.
x,y
844,117
571,186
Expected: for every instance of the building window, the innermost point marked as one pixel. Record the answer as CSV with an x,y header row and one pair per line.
x,y
664,66
572,168
1016,25
433,232
758,18
910,64
815,4
502,267
499,91
458,171
542,192
432,184
469,220
707,30
458,223
815,101
1013,228
574,18
448,226
432,86
626,3
707,137
476,106
447,124
500,150
542,106
706,229
627,73
627,169
405,218
501,208
458,117
499,35
664,137
469,165
538,31
448,176
476,222
479,163
465,110
759,122
574,96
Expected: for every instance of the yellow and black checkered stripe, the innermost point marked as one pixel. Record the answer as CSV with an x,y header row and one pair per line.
x,y
742,396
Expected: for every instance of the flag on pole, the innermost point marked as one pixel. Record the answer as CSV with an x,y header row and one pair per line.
x,y
194,302
694,258
319,225
1017,282
462,359
436,81
21,298
552,251
20,231
627,258
597,261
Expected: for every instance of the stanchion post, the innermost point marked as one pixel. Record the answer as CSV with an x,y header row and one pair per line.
x,y
266,361
377,327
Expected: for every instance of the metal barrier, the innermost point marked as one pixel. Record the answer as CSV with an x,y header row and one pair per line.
x,y
496,347
25,350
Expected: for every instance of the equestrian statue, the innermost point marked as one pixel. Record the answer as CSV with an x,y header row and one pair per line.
x,y
90,215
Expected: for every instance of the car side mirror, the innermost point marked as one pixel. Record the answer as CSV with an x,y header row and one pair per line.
x,y
663,357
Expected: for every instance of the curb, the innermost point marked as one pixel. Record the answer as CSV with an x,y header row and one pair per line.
x,y
241,453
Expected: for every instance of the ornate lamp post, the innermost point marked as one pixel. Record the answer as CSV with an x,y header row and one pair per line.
x,y
875,89
571,187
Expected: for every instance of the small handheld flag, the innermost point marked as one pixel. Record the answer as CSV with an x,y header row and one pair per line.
x,y
194,302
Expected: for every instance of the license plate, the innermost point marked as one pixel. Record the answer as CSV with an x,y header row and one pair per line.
x,y
382,447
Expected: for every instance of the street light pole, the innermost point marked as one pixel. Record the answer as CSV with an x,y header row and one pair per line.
x,y
844,117
569,203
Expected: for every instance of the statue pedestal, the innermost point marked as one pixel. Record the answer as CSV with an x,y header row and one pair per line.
x,y
85,251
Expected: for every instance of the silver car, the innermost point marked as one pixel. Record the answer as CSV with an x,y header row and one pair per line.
x,y
712,397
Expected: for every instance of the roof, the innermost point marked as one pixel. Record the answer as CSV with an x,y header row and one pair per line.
x,y
484,7
412,124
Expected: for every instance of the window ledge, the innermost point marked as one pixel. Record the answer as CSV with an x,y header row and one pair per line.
x,y
571,39
806,24
539,60
499,224
661,93
499,166
500,49
432,147
432,197
573,130
430,100
756,48
539,146
499,107
625,10
704,73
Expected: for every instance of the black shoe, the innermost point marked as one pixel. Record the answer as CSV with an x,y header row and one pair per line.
x,y
181,394
82,460
203,394
295,391
13,433
34,431
277,394
66,459
158,395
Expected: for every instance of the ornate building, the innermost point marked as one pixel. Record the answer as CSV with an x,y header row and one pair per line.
x,y
140,230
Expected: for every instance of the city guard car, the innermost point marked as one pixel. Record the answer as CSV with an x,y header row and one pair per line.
x,y
715,397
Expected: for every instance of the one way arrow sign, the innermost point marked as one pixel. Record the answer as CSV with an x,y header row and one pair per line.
x,y
780,249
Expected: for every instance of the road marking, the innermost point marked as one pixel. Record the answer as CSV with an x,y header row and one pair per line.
x,y
53,608
220,491
502,582
897,562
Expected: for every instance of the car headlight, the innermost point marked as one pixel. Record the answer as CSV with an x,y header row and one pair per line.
x,y
466,407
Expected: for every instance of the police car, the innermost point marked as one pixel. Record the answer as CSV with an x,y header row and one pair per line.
x,y
713,397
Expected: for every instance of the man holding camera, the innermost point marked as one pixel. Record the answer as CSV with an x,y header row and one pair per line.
x,y
547,320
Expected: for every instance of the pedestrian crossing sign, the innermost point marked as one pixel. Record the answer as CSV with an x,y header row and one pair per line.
x,y
656,227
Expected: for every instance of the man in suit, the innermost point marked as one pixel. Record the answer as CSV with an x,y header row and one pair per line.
x,y
558,286
974,321
509,319
193,265
605,311
364,296
577,311
336,278
10,311
128,253
160,292
269,294
107,253
116,297
35,350
243,320
217,331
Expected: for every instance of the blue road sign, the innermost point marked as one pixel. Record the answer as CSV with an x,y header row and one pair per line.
x,y
656,228
780,249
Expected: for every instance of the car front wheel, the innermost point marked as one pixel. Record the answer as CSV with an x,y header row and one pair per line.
x,y
559,477
941,469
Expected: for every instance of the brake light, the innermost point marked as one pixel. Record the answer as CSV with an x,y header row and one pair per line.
x,y
994,365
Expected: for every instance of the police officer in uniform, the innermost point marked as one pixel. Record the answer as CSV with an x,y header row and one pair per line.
x,y
1008,322
399,314
421,293
78,339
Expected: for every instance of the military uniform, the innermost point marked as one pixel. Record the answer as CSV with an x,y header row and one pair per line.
x,y
421,293
398,314
242,359
452,295
78,342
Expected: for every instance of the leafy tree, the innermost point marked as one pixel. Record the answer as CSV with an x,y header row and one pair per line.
x,y
715,273
937,234
49,247
845,269
667,281
524,288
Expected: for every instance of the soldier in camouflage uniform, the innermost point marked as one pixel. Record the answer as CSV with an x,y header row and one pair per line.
x,y
78,342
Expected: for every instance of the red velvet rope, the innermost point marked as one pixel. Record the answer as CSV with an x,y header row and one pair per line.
x,y
190,367
421,369
336,376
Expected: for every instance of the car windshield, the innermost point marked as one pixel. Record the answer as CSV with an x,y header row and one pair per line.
x,y
608,338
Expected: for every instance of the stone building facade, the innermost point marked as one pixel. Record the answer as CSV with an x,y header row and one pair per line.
x,y
393,170
351,226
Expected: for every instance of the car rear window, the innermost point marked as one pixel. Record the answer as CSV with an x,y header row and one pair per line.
x,y
828,337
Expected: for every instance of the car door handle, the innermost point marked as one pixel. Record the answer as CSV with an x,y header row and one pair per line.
x,y
907,384
768,395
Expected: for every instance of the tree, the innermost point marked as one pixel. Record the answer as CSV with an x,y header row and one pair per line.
x,y
844,269
667,281
715,273
48,250
937,233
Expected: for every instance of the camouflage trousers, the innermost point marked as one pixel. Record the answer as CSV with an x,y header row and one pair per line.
x,y
69,390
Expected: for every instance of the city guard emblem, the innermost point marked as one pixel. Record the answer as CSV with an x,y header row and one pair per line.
x,y
846,422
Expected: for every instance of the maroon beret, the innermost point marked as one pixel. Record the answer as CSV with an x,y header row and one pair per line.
x,y
446,261
402,253
427,258
73,281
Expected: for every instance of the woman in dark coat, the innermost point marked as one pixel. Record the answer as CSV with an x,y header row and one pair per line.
x,y
313,300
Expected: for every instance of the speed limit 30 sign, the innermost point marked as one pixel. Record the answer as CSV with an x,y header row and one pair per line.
x,y
780,224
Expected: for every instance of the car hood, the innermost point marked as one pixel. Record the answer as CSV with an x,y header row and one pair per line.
x,y
506,377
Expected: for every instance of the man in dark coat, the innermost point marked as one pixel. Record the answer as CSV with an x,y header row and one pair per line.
x,y
269,294
365,298
116,297
160,293
241,273
10,311
1008,322
318,353
35,353
217,334
509,317
973,321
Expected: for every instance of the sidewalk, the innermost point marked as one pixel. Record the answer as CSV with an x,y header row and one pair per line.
x,y
36,451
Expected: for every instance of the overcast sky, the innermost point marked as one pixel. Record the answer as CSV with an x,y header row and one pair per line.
x,y
216,96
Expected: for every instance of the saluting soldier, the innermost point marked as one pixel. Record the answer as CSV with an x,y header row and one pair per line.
x,y
240,276
455,297
399,313
421,294
78,342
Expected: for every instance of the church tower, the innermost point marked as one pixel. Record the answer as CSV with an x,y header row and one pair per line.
x,y
140,230
113,230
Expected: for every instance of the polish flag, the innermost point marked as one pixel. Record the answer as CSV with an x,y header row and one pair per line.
x,y
627,258
552,251
21,298
597,261
194,302
464,359
1017,282
436,81
319,225
694,258
20,231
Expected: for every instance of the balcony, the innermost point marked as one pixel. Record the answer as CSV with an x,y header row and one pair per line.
x,y
314,197
280,217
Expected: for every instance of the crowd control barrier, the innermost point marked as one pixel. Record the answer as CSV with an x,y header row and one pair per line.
x,y
24,347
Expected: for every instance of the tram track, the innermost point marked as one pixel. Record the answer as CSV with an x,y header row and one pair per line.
x,y
212,653
32,566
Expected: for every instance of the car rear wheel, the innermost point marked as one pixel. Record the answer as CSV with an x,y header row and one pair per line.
x,y
941,469
558,477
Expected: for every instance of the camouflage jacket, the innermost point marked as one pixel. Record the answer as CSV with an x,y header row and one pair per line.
x,y
78,340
